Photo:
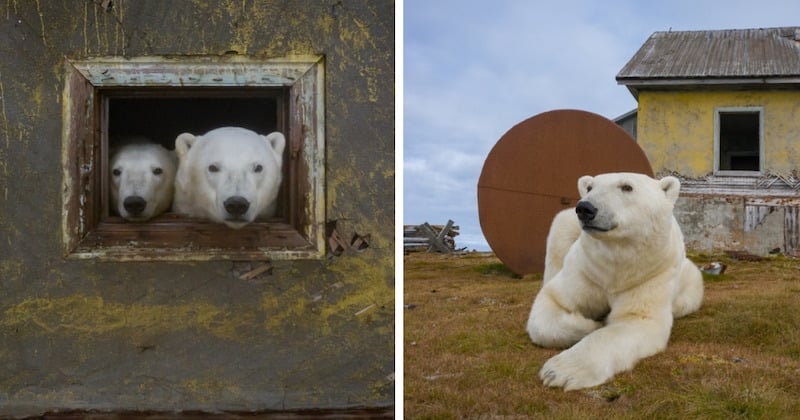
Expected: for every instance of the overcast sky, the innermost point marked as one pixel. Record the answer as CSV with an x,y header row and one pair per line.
x,y
472,70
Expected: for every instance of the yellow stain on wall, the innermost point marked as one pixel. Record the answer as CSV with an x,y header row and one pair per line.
x,y
91,315
370,284
676,129
364,284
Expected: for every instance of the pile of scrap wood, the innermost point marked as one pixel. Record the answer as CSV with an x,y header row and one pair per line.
x,y
430,238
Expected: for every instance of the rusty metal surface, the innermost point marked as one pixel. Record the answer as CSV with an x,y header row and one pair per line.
x,y
532,173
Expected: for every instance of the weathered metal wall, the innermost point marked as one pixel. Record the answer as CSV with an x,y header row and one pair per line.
x,y
194,336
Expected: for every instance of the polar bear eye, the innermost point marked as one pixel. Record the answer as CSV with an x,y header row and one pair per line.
x,y
589,188
116,172
626,188
213,168
258,168
158,171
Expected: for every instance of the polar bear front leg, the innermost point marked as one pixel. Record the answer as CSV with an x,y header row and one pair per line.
x,y
556,319
689,290
628,337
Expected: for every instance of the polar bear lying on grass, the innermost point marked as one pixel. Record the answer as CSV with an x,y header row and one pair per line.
x,y
616,274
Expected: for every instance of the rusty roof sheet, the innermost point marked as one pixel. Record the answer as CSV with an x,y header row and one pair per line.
x,y
736,54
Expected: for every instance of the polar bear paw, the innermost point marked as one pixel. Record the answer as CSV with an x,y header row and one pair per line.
x,y
571,370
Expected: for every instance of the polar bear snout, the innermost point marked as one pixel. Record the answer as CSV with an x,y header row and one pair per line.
x,y
592,220
134,205
586,211
236,206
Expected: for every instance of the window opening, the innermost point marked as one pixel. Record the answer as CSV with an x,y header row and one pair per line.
x,y
161,115
739,141
160,98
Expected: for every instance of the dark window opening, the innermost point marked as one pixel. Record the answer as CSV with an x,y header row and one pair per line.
x,y
162,115
158,98
739,141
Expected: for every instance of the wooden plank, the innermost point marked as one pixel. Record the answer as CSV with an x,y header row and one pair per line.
x,y
435,242
445,231
170,238
430,238
223,71
791,233
78,97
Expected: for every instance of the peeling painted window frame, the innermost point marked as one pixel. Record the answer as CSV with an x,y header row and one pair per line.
x,y
718,147
88,235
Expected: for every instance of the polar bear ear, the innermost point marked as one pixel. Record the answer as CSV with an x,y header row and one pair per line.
x,y
671,187
585,184
276,141
183,143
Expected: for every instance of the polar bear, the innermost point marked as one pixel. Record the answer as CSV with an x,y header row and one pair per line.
x,y
142,179
616,274
230,175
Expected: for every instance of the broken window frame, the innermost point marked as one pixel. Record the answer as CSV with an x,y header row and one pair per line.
x,y
718,149
87,232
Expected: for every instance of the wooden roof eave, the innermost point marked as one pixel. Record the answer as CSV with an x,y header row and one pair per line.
x,y
635,84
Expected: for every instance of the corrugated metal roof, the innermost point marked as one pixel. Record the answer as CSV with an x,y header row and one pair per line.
x,y
733,53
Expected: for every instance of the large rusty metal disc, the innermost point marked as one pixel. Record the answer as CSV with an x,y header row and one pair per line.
x,y
532,173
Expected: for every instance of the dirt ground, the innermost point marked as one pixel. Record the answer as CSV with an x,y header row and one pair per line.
x,y
467,354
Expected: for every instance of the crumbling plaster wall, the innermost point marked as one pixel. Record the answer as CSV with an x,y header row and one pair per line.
x,y
168,336
714,224
676,132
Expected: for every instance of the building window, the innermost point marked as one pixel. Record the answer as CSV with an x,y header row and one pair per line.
x,y
738,145
161,98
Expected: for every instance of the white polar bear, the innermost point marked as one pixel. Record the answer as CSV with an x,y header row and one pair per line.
x,y
142,177
615,276
230,175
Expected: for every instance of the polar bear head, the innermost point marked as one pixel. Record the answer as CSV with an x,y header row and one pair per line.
x,y
624,204
142,177
230,175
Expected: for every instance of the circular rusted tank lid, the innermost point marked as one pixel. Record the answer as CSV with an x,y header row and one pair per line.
x,y
532,173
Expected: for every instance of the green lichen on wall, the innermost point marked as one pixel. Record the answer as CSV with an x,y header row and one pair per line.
x,y
192,335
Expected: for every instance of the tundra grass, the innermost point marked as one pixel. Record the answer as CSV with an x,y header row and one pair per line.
x,y
467,354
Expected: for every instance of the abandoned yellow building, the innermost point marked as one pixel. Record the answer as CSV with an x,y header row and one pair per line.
x,y
720,109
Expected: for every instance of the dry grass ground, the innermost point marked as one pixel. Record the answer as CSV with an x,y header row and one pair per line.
x,y
467,354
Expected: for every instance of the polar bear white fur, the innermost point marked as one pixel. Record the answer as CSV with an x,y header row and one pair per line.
x,y
230,175
142,179
616,274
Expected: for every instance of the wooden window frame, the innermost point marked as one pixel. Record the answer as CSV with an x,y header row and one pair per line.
x,y
88,232
718,146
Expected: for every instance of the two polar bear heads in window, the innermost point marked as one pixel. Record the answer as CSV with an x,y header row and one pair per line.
x,y
229,175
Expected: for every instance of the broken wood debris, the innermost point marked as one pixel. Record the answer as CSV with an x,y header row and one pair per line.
x,y
261,269
430,238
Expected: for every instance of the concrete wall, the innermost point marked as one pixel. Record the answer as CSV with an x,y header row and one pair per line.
x,y
715,224
676,129
172,336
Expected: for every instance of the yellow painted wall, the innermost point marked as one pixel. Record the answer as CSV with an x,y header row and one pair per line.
x,y
676,129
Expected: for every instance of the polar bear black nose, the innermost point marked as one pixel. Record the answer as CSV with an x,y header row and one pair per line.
x,y
237,205
134,204
586,211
